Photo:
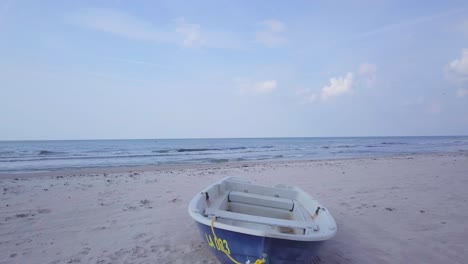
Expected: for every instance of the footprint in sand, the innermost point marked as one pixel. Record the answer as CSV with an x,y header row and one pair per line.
x,y
85,251
99,228
162,252
20,215
43,211
140,236
130,208
139,252
175,200
119,254
74,260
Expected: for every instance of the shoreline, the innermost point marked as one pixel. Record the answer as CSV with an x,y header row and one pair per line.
x,y
165,167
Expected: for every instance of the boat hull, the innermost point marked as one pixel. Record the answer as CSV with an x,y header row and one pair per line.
x,y
232,247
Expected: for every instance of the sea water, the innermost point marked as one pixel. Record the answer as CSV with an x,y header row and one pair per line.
x,y
34,156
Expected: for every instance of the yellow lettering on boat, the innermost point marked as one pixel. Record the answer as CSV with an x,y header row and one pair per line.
x,y
227,247
219,244
210,241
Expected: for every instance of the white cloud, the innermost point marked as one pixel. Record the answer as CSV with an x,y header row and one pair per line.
x,y
412,22
458,69
338,86
179,32
274,25
368,72
140,62
341,85
190,33
118,23
367,69
307,95
462,92
310,98
257,88
265,86
272,33
457,72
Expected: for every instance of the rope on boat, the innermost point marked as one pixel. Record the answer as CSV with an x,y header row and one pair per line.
x,y
258,261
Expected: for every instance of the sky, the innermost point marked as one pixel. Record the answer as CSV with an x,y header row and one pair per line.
x,y
216,69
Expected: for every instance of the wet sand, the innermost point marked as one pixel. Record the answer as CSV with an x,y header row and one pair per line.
x,y
408,209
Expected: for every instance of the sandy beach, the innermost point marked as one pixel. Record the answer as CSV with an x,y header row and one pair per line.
x,y
407,209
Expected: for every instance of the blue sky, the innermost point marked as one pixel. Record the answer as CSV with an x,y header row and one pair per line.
x,y
178,69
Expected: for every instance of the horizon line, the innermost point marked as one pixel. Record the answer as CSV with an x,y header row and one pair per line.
x,y
195,138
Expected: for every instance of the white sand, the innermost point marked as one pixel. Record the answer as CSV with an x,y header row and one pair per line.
x,y
409,209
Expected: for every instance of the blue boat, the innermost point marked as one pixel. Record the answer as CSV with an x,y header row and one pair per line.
x,y
243,223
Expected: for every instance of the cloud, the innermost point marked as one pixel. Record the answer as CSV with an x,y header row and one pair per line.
x,y
341,85
190,33
368,72
338,86
410,22
458,69
367,69
274,25
119,24
272,33
178,31
457,72
307,95
139,62
256,88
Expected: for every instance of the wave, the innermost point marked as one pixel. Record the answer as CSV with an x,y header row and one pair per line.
x,y
185,150
218,160
339,146
44,158
7,154
237,148
196,149
163,151
48,152
393,143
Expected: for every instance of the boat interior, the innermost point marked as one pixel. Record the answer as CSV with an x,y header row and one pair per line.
x,y
282,209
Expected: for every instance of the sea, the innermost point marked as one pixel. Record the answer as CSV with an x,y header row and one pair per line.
x,y
43,156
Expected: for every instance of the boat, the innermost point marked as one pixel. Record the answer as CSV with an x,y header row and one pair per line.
x,y
245,223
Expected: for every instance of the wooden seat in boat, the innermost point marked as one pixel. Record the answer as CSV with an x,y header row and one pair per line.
x,y
261,200
213,213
